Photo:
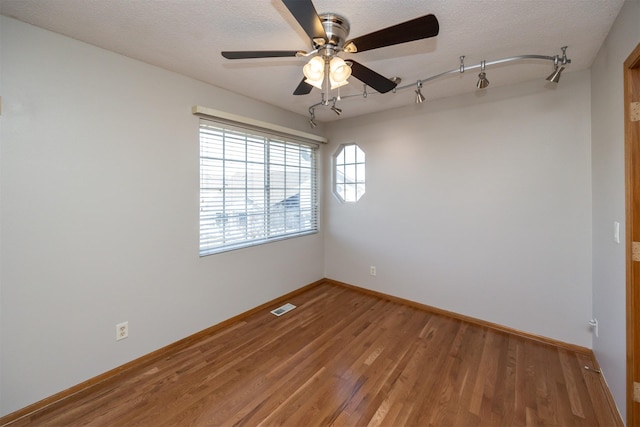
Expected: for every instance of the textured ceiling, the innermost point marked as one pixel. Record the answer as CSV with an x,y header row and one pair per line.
x,y
186,36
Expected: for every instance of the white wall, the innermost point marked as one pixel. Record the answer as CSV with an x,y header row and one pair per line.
x,y
479,205
99,215
607,124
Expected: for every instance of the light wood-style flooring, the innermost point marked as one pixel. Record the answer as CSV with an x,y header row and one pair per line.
x,y
345,358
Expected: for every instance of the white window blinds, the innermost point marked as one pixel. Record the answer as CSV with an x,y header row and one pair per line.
x,y
254,187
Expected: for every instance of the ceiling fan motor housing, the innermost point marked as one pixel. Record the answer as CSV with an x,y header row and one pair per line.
x,y
337,29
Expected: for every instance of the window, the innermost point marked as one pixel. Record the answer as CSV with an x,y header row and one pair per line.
x,y
254,187
349,177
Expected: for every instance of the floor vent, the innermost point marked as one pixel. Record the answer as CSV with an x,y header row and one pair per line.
x,y
282,310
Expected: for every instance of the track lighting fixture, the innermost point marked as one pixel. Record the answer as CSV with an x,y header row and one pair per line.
x,y
560,63
419,97
312,121
482,77
335,109
557,70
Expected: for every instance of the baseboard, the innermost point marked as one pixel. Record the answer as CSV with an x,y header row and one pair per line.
x,y
106,378
494,326
607,391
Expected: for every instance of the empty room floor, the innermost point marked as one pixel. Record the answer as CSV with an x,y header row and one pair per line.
x,y
347,358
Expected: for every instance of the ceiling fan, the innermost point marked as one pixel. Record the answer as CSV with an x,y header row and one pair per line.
x,y
328,33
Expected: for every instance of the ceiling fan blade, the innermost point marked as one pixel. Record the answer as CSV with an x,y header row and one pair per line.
x,y
246,54
306,15
371,78
416,29
303,88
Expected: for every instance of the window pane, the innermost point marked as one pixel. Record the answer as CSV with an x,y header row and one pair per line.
x,y
350,193
276,153
255,151
360,172
350,154
234,147
350,173
340,174
292,156
306,157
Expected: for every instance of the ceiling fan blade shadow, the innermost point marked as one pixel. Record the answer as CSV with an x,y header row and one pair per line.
x,y
303,88
416,29
306,15
366,75
247,54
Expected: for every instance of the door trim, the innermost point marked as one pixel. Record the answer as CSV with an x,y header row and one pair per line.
x,y
632,208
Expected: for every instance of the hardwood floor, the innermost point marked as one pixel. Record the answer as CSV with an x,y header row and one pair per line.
x,y
346,358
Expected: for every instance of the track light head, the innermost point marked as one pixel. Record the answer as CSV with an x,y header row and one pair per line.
x,y
397,81
555,76
312,120
482,77
335,109
419,96
482,81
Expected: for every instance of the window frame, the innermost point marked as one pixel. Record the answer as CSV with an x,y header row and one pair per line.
x,y
334,171
307,196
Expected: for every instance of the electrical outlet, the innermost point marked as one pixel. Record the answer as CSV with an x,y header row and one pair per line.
x,y
122,331
372,270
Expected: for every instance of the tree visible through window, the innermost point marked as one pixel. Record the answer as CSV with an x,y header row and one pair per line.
x,y
254,188
349,179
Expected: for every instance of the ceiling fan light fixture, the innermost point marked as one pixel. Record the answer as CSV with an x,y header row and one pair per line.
x,y
315,83
339,70
335,84
314,70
